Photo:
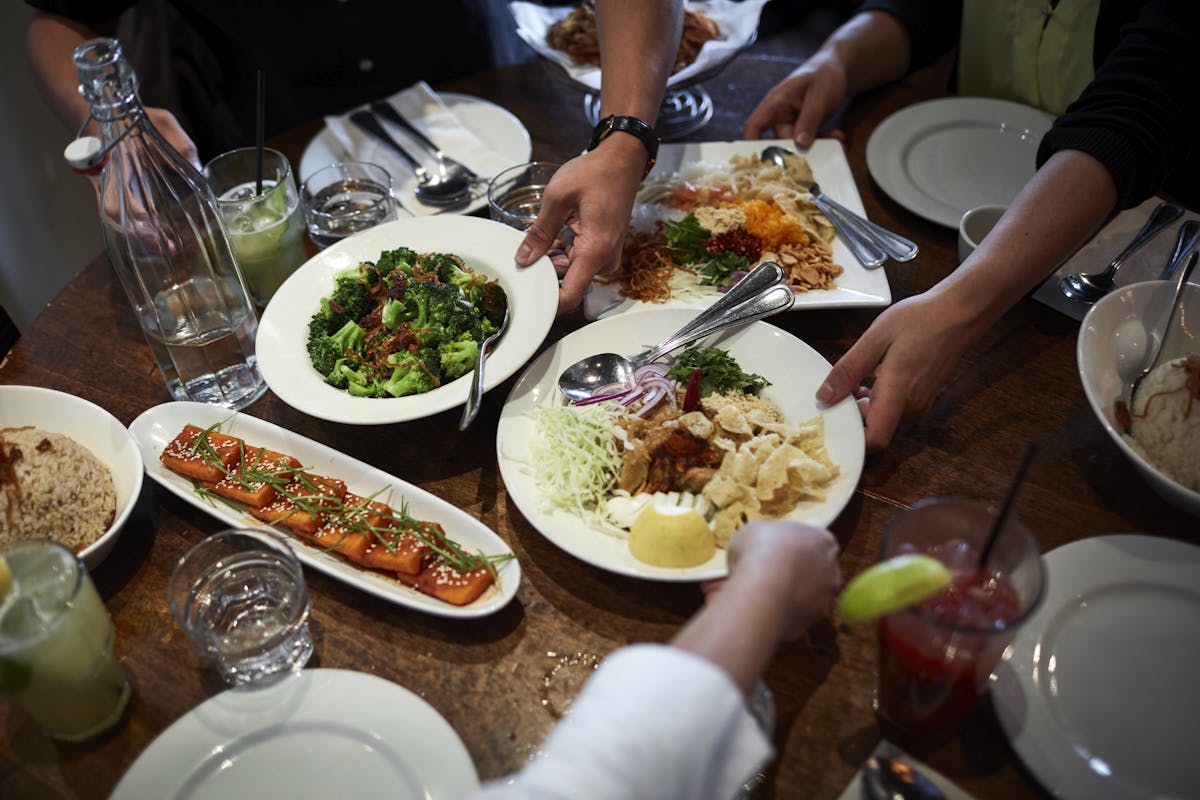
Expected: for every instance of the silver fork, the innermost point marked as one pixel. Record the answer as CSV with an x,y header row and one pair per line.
x,y
446,165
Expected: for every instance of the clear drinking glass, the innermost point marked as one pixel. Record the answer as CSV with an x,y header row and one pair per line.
x,y
265,230
515,195
241,598
345,198
935,657
56,643
164,237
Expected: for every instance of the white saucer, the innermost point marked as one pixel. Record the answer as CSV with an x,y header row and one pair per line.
x,y
320,734
1097,692
942,157
494,125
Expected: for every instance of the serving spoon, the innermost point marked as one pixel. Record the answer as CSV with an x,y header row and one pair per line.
x,y
1131,387
495,308
1088,288
432,189
871,243
581,380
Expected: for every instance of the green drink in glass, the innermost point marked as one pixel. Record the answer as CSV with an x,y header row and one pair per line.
x,y
264,229
56,643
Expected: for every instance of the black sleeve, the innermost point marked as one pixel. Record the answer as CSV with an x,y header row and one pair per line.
x,y
933,26
1139,115
89,12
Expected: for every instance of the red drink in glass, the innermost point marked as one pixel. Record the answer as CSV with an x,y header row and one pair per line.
x,y
935,657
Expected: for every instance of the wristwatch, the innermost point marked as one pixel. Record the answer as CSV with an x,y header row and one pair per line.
x,y
634,127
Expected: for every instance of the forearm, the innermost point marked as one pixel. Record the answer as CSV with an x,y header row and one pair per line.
x,y
741,625
50,41
638,43
872,48
1060,208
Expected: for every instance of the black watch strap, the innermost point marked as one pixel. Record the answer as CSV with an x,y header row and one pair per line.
x,y
634,127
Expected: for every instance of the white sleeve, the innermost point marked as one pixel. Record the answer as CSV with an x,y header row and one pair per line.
x,y
653,722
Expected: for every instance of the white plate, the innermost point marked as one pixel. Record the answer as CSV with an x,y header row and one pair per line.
x,y
495,126
320,734
1097,692
942,157
94,428
856,287
487,247
794,369
156,427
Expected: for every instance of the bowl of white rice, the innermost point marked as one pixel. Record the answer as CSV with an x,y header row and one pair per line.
x,y
1160,432
69,471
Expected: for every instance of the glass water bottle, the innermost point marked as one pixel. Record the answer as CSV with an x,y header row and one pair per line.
x,y
163,233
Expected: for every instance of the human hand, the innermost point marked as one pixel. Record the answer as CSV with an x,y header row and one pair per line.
x,y
798,105
800,559
592,195
170,129
910,349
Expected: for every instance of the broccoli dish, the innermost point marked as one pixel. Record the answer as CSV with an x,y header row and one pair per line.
x,y
403,325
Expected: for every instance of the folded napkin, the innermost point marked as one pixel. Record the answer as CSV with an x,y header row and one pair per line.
x,y
738,23
886,749
1147,264
421,106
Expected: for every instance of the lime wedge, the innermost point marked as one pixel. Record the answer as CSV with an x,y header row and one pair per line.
x,y
890,586
6,579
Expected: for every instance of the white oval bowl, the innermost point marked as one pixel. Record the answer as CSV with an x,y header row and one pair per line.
x,y
1114,339
94,428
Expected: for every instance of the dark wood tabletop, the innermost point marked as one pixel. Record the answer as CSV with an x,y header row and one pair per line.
x,y
502,681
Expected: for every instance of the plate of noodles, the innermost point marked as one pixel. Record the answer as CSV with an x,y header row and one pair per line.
x,y
714,31
716,198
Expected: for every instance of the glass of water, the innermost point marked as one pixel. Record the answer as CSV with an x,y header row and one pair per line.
x,y
241,598
345,198
515,195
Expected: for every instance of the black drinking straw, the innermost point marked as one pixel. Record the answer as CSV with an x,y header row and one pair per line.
x,y
260,125
1010,503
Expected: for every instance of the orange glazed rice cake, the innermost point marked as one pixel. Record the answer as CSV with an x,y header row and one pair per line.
x,y
246,483
208,463
348,533
318,497
397,552
444,582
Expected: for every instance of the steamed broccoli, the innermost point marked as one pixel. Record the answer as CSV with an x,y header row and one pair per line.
x,y
401,257
457,358
449,272
326,350
435,312
392,314
409,377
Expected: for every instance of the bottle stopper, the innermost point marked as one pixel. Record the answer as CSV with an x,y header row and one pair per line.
x,y
86,155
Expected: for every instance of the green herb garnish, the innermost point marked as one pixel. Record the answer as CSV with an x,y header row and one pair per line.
x,y
719,373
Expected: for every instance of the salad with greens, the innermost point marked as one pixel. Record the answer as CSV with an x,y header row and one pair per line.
x,y
402,325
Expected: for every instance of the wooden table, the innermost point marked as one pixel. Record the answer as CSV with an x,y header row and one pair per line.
x,y
501,681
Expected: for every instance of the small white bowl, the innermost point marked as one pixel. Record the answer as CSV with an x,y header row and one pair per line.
x,y
1114,340
94,428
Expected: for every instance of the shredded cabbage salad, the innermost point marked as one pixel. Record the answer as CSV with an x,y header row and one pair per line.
x,y
576,457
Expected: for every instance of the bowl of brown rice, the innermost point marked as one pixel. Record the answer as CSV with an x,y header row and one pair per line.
x,y
69,471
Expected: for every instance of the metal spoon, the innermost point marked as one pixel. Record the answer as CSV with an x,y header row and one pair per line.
x,y
449,168
871,243
580,380
1130,390
495,308
432,190
886,778
1189,239
1090,288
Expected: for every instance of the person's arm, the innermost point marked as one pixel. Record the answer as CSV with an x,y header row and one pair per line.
x,y
869,50
671,721
50,41
593,193
912,347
